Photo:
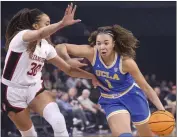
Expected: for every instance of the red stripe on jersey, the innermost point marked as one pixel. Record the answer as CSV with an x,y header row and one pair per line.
x,y
11,65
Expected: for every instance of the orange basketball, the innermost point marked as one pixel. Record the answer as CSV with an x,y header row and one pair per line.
x,y
162,123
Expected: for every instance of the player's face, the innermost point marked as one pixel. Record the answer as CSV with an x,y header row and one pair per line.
x,y
105,44
43,22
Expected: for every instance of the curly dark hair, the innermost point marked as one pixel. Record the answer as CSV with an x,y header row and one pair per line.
x,y
125,41
24,19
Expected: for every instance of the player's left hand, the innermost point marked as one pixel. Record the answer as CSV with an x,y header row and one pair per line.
x,y
96,83
68,18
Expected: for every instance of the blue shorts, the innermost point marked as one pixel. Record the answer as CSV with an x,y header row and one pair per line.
x,y
133,102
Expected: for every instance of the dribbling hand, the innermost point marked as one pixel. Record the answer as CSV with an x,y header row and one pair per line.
x,y
68,18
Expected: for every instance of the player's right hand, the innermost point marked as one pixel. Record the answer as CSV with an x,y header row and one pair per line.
x,y
75,62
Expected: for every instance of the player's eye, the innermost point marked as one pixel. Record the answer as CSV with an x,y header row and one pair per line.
x,y
106,43
98,43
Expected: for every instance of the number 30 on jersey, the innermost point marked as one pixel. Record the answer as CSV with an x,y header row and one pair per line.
x,y
34,69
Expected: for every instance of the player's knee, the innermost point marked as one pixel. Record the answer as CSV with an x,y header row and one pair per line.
x,y
29,133
125,135
53,116
58,123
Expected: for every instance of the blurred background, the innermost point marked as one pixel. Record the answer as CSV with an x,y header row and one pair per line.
x,y
153,23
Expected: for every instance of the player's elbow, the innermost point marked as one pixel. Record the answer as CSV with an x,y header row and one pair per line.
x,y
60,46
60,49
57,48
147,88
148,91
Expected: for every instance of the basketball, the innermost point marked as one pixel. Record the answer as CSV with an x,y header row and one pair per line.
x,y
162,123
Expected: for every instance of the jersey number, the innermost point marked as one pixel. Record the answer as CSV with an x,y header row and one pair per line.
x,y
35,68
109,83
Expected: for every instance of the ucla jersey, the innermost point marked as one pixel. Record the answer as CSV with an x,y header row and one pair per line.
x,y
111,76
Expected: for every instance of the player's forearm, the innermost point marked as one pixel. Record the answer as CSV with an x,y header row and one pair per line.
x,y
62,51
154,98
76,72
50,29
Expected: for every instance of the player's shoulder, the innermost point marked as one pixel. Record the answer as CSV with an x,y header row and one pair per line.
x,y
20,33
127,63
44,41
127,59
17,44
18,38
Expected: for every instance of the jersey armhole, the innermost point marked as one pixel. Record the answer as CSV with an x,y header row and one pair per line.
x,y
94,56
120,65
17,44
52,52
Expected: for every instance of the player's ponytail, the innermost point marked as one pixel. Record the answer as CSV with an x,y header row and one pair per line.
x,y
22,20
17,23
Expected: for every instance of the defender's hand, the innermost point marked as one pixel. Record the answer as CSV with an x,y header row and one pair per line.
x,y
68,18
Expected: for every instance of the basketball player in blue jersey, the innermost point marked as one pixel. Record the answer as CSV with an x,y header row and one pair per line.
x,y
112,52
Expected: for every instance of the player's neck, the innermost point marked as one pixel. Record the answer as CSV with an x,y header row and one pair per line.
x,y
110,59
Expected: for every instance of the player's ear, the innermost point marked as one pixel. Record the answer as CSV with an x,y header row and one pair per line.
x,y
114,42
35,26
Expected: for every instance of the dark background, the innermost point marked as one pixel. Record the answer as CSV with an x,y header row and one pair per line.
x,y
153,23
